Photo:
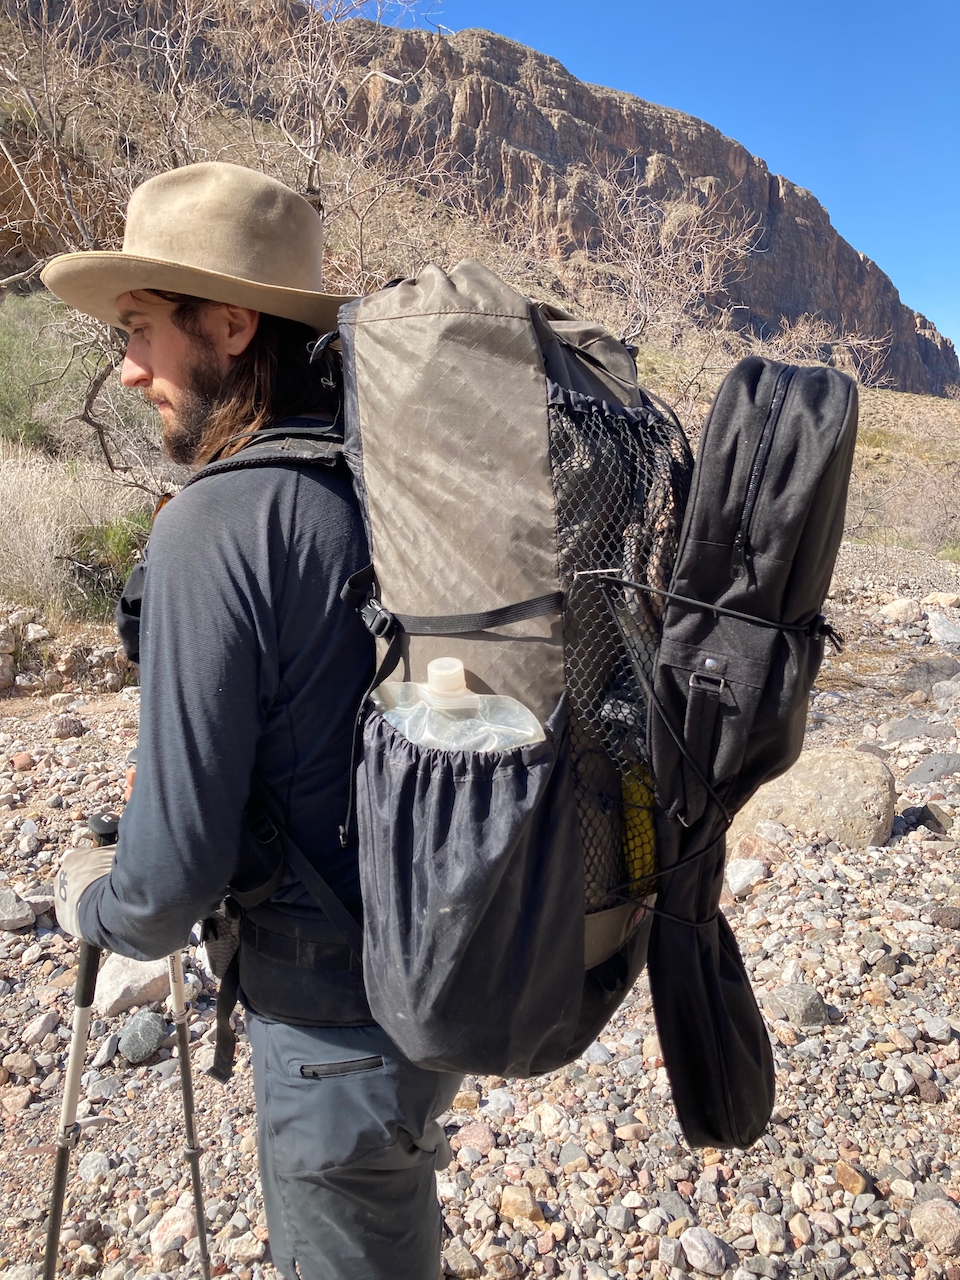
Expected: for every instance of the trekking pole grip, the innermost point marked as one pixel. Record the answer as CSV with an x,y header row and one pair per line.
x,y
86,985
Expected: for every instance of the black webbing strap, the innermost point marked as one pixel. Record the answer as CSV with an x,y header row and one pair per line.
x,y
225,1044
271,833
703,706
605,583
386,668
455,624
362,593
260,823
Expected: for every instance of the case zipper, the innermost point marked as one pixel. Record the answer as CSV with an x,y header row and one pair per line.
x,y
738,558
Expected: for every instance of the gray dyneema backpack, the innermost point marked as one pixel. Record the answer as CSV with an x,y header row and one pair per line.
x,y
503,454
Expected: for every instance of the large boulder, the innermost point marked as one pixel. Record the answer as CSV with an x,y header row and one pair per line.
x,y
847,795
123,983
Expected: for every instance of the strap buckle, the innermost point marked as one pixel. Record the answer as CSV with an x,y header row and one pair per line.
x,y
713,684
379,621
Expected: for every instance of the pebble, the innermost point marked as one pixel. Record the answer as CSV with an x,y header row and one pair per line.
x,y
744,874
704,1251
597,1054
175,1228
14,912
93,1167
943,629
803,1005
142,1036
41,1026
768,1233
107,1051
937,1222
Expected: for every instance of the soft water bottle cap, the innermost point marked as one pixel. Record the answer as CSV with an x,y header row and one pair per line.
x,y
445,676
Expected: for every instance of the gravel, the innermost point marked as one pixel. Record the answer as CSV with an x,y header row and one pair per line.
x,y
583,1173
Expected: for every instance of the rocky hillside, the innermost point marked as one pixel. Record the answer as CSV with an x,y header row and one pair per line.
x,y
535,137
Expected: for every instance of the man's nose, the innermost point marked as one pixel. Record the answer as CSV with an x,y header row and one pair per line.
x,y
134,373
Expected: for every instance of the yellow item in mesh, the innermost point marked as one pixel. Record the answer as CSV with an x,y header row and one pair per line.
x,y
639,841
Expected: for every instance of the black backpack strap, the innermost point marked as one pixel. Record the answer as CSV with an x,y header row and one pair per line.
x,y
362,593
282,851
291,855
225,1044
311,441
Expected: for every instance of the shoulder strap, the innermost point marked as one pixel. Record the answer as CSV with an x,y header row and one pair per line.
x,y
312,441
262,822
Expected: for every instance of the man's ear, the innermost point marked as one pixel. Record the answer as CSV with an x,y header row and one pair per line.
x,y
239,326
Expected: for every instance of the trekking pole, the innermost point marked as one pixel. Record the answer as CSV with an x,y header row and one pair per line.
x,y
69,1131
191,1149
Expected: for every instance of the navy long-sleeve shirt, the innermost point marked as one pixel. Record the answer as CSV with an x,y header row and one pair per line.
x,y
249,662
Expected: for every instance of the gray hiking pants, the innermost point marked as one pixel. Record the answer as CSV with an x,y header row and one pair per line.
x,y
348,1146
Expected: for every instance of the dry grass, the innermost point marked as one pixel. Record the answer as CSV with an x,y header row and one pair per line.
x,y
47,507
905,490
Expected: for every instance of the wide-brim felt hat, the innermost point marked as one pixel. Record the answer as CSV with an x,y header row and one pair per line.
x,y
216,231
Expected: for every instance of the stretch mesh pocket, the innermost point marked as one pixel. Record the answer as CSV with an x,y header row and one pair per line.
x,y
621,478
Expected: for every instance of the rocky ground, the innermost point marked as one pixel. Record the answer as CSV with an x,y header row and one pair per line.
x,y
849,927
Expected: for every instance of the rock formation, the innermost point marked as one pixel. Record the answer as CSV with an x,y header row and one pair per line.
x,y
536,136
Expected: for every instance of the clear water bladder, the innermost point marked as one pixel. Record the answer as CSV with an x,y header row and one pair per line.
x,y
445,714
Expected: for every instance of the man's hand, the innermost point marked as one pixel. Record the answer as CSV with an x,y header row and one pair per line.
x,y
78,870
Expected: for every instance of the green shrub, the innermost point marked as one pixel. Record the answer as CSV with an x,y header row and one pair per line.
x,y
100,560
32,355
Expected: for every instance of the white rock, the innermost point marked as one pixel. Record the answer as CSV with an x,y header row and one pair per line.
x,y
41,1026
901,611
946,693
502,1102
94,1167
768,1233
35,634
597,1054
942,630
246,1248
937,1222
553,1121
14,912
801,1195
744,873
176,1224
122,983
704,1251
936,1029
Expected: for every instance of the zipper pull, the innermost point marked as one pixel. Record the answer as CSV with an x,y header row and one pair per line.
x,y
738,555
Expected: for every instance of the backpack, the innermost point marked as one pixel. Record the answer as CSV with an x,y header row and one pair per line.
x,y
533,512
741,643
503,454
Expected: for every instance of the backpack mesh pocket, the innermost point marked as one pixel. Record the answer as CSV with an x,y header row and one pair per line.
x,y
621,478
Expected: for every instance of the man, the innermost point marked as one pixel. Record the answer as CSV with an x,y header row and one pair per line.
x,y
252,671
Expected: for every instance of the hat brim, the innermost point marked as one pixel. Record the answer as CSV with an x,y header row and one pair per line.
x,y
93,280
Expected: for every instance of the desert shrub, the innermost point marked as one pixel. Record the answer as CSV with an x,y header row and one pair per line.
x,y
100,560
32,357
49,511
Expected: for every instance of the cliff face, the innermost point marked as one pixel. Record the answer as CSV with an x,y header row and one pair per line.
x,y
535,135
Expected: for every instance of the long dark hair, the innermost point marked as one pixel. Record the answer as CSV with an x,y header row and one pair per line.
x,y
270,380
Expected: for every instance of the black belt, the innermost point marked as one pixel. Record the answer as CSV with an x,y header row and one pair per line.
x,y
305,953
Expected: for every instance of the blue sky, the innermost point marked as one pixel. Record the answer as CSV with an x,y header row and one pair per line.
x,y
857,100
